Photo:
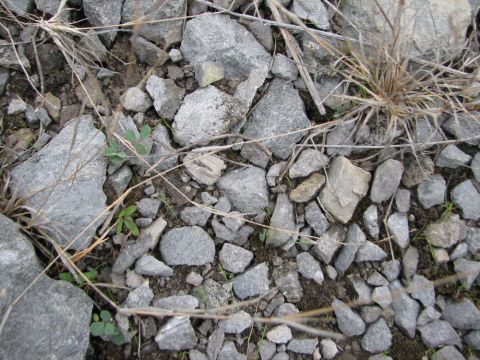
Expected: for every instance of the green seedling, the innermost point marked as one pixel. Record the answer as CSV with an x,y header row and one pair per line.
x,y
66,276
137,142
104,325
125,218
201,294
114,153
170,209
263,235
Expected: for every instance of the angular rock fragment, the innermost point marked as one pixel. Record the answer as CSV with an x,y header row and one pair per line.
x,y
328,244
308,189
467,197
386,180
282,219
349,322
234,259
104,12
206,169
166,95
252,282
177,334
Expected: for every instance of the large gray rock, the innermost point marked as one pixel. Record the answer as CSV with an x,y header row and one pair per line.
x,y
439,333
222,40
431,192
355,239
328,244
347,184
280,111
452,157
378,337
467,197
104,12
448,353
62,183
465,127
162,152
462,314
234,259
166,95
63,309
236,323
349,322
405,308
164,33
426,26
19,6
252,282
309,161
205,113
312,11
177,334
386,180
189,245
282,219
446,232
245,188
423,290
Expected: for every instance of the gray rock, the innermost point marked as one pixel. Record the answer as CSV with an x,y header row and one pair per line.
x,y
343,135
246,189
229,352
143,222
329,348
236,323
410,262
431,192
475,165
452,157
206,113
220,39
64,310
194,215
280,334
195,354
286,310
140,297
376,279
446,232
164,33
462,314
234,259
448,353
371,314
309,161
380,357
282,219
303,346
355,239
194,279
473,339
280,111
439,333
316,219
402,200
252,282
215,294
391,269
16,107
4,77
153,232
347,184
466,196
35,116
215,343
378,337
382,296
417,170
234,221
256,154
148,207
178,302
473,240
150,266
267,349
308,189
175,55
428,315
312,11
286,279
386,180
370,221
92,45
359,288
309,267
284,68
166,95
328,244
19,6
397,224
405,308
349,322
460,251
189,245
274,172
177,334
120,179
149,53
208,73
63,183
131,252
370,252
262,32
423,290
9,59
464,126
134,99
104,12
162,149
427,132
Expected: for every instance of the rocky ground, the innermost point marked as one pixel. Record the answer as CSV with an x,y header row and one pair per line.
x,y
182,181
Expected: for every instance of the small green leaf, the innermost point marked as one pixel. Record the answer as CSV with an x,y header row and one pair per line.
x,y
118,339
65,276
130,135
140,148
118,158
105,315
97,328
131,226
109,328
129,210
95,318
113,145
119,226
91,275
145,132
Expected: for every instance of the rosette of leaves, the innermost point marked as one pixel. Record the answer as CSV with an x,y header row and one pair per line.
x,y
125,220
117,155
103,325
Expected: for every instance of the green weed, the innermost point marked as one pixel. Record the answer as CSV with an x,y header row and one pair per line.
x,y
117,156
104,325
125,218
66,276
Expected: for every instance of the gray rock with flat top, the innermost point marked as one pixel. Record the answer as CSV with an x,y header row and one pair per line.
x,y
354,240
462,314
386,180
378,337
177,334
439,333
308,161
467,197
431,191
282,219
312,11
328,244
452,157
104,12
252,282
349,322
166,95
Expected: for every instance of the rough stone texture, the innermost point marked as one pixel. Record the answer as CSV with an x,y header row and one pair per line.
x,y
148,265
386,180
326,247
370,221
465,127
473,240
473,339
215,342
475,165
286,279
405,308
312,11
193,215
349,322
134,99
448,353
162,149
266,349
439,333
216,295
140,297
402,200
166,95
329,348
382,296
282,218
234,259
423,290
246,189
466,196
355,239
220,39
431,192
148,53
281,110
205,169
284,68
359,288
64,310
417,170
446,232
378,337
426,28
189,245
229,352
341,134
309,267
462,314
347,185
303,346
208,73
315,218
8,58
308,189
370,252
104,12
205,113
148,207
179,302
308,161
428,315
65,183
256,154
164,33
452,157
236,323
120,179
468,271
19,6
410,262
177,334
280,334
397,224
391,269
252,282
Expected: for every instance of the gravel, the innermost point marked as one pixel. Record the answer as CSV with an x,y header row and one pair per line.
x,y
462,314
349,322
386,180
309,267
439,333
431,192
377,338
252,282
282,218
466,196
355,238
308,162
452,157
177,334
234,259
150,266
405,308
328,244
280,334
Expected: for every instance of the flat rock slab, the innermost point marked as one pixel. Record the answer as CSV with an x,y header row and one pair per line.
x,y
63,309
104,12
62,183
252,282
